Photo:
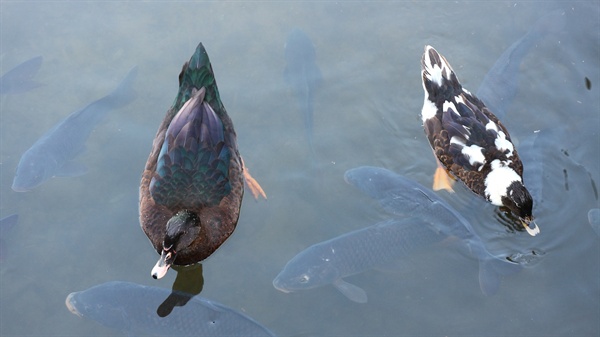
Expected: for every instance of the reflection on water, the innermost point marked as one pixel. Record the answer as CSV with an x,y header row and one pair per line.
x,y
188,283
78,232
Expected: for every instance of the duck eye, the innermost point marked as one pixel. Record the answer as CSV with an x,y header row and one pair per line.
x,y
304,278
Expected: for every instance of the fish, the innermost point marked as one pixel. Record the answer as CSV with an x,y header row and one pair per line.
x,y
594,219
303,76
131,308
6,225
20,78
401,196
328,262
499,86
52,155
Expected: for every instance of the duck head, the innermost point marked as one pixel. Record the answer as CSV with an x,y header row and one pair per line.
x,y
182,229
519,202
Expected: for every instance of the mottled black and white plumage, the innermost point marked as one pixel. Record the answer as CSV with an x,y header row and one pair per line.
x,y
470,142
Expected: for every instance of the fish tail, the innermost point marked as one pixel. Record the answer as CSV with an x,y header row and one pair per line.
x,y
551,23
124,93
307,108
439,80
308,122
20,78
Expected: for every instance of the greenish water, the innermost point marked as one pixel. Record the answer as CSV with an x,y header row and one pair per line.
x,y
74,233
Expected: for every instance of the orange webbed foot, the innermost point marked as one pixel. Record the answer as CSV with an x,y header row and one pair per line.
x,y
442,180
252,184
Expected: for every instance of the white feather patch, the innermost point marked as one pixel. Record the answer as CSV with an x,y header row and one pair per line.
x,y
504,144
449,105
433,72
491,126
429,109
498,180
473,152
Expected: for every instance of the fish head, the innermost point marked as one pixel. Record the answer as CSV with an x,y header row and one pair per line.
x,y
32,171
299,48
311,268
105,303
369,180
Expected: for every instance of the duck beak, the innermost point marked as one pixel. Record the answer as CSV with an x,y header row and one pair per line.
x,y
163,264
530,226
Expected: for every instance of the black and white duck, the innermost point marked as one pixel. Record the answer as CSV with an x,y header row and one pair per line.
x,y
470,142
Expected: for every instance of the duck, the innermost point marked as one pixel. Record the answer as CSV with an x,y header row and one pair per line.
x,y
193,182
470,143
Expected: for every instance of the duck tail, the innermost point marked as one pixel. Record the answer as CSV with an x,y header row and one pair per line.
x,y
439,80
195,74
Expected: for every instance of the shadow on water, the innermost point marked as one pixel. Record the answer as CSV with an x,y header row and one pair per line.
x,y
188,283
366,113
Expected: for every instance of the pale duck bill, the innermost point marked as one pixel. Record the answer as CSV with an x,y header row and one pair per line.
x,y
161,267
531,227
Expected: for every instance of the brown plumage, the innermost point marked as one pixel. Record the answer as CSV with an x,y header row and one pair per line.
x,y
193,182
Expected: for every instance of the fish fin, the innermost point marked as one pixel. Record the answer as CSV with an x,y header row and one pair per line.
x,y
20,78
442,180
72,169
489,280
594,219
6,225
8,222
316,76
354,293
490,272
287,77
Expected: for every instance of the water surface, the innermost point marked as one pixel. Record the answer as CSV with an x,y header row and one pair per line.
x,y
77,232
